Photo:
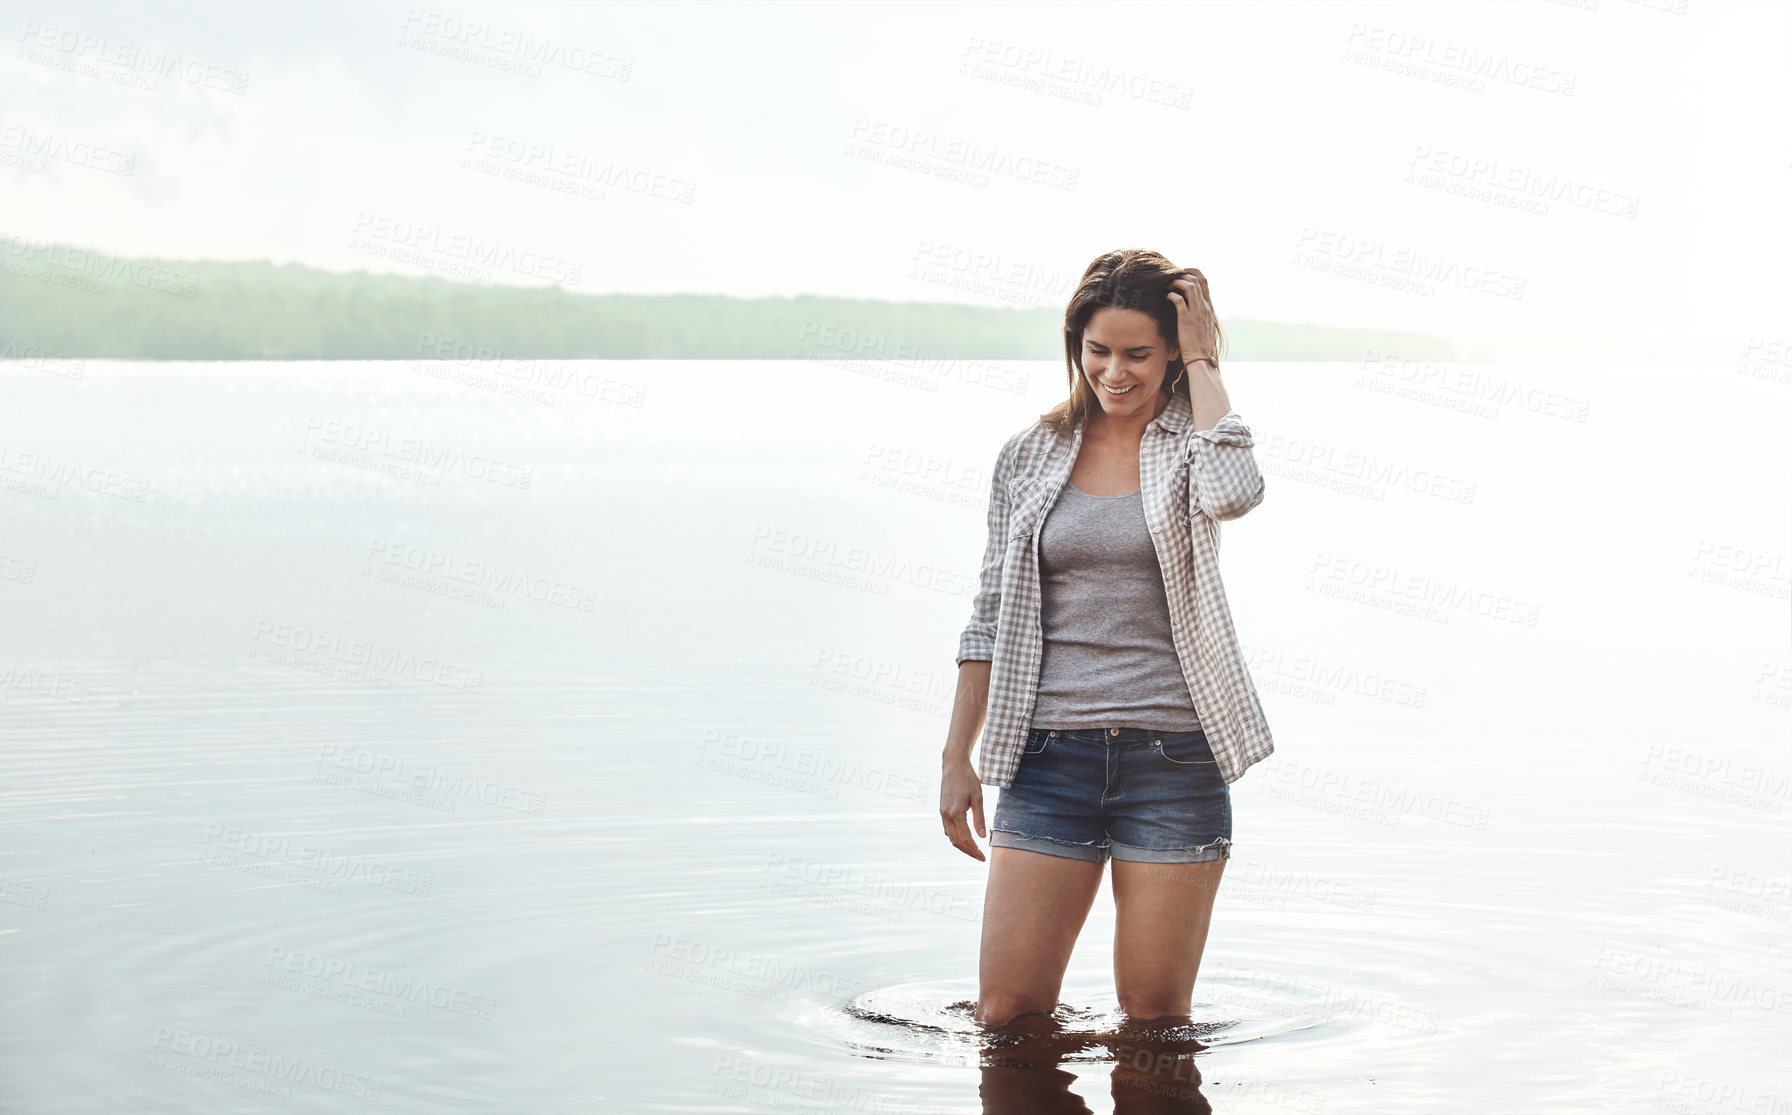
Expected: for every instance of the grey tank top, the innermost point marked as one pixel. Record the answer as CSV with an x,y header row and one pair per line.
x,y
1108,658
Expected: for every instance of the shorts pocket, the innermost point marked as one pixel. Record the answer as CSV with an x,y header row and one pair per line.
x,y
1036,743
1185,749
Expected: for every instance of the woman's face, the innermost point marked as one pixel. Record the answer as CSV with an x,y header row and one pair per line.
x,y
1124,360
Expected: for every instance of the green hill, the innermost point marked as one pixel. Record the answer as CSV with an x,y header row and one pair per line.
x,y
57,300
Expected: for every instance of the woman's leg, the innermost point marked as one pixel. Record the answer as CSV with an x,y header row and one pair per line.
x,y
1161,913
1033,909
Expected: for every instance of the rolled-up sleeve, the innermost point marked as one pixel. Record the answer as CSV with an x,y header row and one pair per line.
x,y
978,640
1223,479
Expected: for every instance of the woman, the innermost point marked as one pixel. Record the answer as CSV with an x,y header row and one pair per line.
x,y
1101,648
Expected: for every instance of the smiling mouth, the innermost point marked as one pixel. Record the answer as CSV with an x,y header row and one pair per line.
x,y
1123,391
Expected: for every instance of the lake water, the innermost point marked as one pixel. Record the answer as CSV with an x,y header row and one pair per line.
x,y
564,737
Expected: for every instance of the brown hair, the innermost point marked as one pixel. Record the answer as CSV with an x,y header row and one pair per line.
x,y
1133,279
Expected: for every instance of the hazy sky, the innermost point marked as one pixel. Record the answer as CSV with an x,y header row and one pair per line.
x,y
1600,167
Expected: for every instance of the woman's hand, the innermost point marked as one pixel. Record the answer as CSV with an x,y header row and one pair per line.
x,y
961,791
1194,317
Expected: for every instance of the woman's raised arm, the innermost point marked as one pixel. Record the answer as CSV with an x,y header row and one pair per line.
x,y
1223,481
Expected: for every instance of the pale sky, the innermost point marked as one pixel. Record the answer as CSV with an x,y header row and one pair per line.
x,y
1336,162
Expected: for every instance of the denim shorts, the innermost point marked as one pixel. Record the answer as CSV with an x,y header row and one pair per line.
x,y
1133,793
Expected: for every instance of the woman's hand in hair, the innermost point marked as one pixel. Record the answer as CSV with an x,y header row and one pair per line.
x,y
1194,317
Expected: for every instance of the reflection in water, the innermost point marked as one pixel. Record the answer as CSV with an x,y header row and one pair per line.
x,y
1020,1061
926,1022
1154,1067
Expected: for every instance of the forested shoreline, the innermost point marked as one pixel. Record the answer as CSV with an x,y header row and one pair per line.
x,y
58,301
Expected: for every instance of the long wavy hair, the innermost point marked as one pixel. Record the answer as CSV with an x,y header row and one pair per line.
x,y
1133,279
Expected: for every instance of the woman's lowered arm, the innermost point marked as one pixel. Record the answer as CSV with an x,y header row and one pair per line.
x,y
960,791
978,639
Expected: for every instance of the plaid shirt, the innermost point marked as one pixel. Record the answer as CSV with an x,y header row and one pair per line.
x,y
1184,519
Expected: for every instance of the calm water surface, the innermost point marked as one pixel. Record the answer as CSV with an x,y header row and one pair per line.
x,y
379,737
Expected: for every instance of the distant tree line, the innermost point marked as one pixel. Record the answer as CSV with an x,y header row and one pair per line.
x,y
57,300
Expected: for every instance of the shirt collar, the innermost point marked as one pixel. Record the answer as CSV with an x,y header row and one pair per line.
x,y
1176,415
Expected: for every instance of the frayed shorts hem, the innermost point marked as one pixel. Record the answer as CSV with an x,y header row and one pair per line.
x,y
1219,848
